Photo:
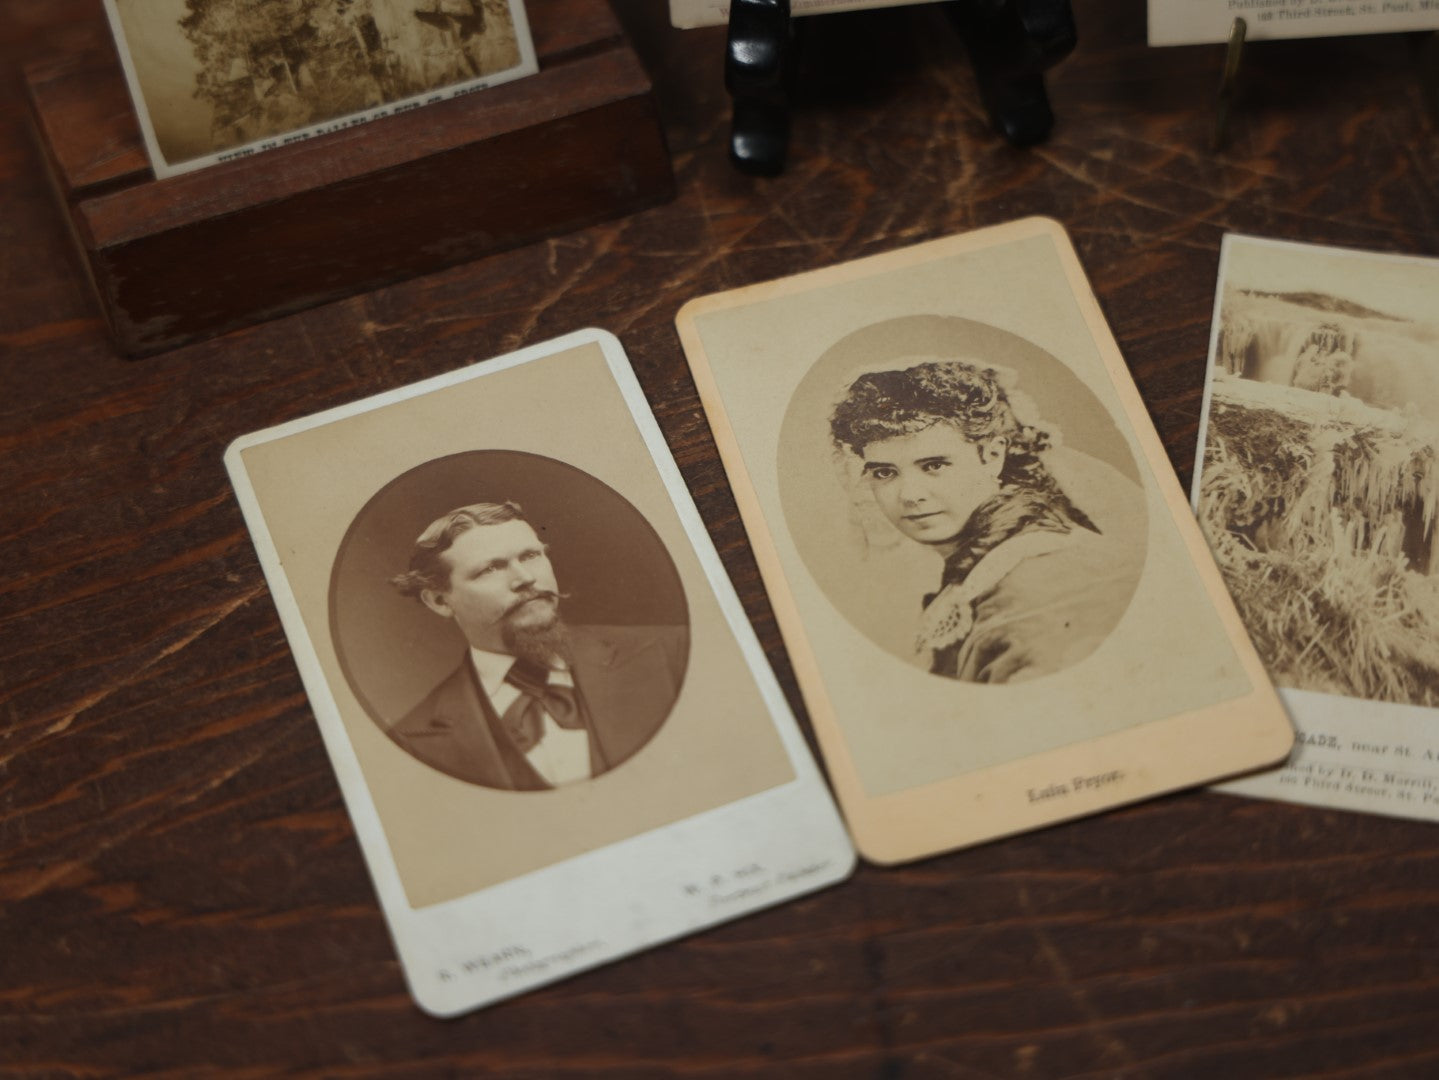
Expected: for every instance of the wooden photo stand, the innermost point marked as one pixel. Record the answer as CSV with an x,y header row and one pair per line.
x,y
192,256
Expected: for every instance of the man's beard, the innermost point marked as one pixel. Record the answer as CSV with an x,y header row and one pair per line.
x,y
537,643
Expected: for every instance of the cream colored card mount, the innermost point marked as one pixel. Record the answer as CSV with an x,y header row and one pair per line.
x,y
688,14
999,607
1197,22
1318,489
554,729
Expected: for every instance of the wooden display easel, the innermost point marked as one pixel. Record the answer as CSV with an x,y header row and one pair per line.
x,y
191,256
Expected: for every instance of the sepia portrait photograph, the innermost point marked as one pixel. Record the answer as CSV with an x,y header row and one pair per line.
x,y
509,620
962,525
217,79
987,576
1318,485
531,674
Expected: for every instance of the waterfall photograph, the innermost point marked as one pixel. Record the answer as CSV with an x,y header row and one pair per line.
x,y
1317,477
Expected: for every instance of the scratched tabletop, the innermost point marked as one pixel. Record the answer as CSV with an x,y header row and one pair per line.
x,y
181,893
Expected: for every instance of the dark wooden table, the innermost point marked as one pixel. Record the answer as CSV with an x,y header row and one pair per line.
x,y
180,891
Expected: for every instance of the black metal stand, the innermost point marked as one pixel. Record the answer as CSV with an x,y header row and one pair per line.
x,y
1228,84
1010,42
759,60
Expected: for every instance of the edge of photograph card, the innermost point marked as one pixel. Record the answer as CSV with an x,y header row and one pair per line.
x,y
611,901
1351,753
1209,22
526,64
690,14
1179,751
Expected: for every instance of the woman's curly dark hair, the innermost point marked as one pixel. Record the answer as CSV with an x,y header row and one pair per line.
x,y
884,404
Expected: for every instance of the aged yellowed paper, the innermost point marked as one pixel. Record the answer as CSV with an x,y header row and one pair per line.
x,y
999,607
1195,22
1317,487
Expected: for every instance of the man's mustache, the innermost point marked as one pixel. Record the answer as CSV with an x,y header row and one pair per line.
x,y
536,594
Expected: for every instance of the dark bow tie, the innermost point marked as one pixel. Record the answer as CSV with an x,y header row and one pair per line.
x,y
525,717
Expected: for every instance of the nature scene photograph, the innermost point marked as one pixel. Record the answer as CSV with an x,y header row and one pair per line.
x,y
1319,485
218,74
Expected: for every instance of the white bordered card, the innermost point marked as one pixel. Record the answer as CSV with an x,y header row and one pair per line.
x,y
1197,22
1317,483
645,780
688,14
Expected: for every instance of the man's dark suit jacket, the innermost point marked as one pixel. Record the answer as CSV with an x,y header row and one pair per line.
x,y
628,676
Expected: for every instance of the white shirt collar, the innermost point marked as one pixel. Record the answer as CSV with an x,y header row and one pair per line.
x,y
492,667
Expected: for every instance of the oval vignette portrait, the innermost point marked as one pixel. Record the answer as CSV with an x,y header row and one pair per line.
x,y
509,620
962,498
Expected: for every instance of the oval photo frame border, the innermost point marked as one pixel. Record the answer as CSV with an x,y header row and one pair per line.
x,y
557,510
816,506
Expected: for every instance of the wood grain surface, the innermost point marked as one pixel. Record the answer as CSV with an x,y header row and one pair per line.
x,y
180,890
304,225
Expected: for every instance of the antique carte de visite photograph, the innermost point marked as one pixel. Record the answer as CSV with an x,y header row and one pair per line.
x,y
998,604
215,80
531,674
1317,485
1197,22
